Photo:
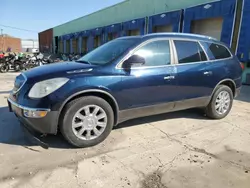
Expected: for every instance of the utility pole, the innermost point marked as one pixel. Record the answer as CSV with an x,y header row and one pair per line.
x,y
2,38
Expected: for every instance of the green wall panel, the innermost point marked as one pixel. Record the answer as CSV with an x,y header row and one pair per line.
x,y
124,11
244,76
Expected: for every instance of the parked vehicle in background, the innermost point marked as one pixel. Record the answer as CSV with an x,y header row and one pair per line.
x,y
127,78
11,62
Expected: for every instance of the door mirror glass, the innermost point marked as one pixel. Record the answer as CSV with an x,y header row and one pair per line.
x,y
134,60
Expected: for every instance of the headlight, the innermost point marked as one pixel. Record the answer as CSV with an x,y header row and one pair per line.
x,y
46,87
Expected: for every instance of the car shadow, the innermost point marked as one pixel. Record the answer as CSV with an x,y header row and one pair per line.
x,y
12,133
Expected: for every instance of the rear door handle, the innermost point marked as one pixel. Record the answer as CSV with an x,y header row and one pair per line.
x,y
169,77
208,73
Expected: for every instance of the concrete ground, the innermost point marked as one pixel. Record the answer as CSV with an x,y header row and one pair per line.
x,y
181,149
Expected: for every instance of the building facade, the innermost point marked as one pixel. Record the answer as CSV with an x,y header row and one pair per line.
x,y
29,44
9,44
226,20
46,41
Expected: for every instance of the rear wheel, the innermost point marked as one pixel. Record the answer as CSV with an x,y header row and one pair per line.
x,y
87,121
4,68
221,103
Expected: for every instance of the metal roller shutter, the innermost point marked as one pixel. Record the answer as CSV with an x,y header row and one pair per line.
x,y
111,36
209,17
210,27
137,27
165,22
97,41
84,45
74,45
134,32
162,29
60,48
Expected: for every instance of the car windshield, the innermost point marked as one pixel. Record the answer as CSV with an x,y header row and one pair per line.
x,y
108,52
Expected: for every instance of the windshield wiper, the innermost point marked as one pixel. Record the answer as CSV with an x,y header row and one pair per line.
x,y
82,61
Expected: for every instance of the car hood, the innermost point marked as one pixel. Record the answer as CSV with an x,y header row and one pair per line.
x,y
57,70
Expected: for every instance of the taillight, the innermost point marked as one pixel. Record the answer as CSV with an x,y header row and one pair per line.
x,y
242,66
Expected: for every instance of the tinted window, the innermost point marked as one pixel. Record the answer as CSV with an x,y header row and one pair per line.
x,y
189,51
155,53
109,51
219,51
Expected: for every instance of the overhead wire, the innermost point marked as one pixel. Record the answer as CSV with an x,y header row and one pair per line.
x,y
19,28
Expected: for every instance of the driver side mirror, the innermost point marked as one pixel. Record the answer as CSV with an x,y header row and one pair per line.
x,y
133,60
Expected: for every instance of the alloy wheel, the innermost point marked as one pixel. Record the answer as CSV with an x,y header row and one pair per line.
x,y
222,103
89,122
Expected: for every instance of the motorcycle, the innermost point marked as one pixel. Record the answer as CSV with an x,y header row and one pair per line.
x,y
35,61
11,62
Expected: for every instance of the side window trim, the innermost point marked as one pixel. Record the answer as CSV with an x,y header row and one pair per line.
x,y
202,47
172,58
175,62
176,56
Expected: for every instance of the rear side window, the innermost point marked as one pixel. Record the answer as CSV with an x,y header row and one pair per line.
x,y
189,52
218,51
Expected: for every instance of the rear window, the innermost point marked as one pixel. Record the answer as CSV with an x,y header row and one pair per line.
x,y
219,51
189,51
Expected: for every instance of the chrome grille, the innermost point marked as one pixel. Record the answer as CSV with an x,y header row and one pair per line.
x,y
19,82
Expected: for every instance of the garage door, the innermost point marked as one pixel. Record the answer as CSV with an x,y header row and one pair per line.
x,y
111,36
67,46
210,27
84,45
97,41
74,45
162,29
135,32
60,48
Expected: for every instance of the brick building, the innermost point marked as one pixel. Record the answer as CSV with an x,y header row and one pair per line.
x,y
8,43
46,41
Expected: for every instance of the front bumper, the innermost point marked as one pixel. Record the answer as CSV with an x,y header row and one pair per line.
x,y
44,125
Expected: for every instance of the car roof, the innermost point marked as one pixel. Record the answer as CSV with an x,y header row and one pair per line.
x,y
174,36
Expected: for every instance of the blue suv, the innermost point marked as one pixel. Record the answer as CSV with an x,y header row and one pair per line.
x,y
127,78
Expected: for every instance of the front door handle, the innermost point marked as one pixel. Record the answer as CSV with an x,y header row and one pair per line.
x,y
208,73
169,77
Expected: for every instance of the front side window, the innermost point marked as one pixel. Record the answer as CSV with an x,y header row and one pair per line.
x,y
218,51
109,51
189,52
155,53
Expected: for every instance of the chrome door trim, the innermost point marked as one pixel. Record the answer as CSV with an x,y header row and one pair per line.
x,y
118,66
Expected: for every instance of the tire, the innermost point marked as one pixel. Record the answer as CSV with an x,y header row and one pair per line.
x,y
18,67
69,115
4,68
211,110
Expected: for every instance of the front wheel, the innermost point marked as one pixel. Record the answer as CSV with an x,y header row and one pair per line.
x,y
221,103
87,121
4,68
18,66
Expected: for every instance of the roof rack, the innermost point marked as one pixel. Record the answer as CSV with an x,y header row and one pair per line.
x,y
183,34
